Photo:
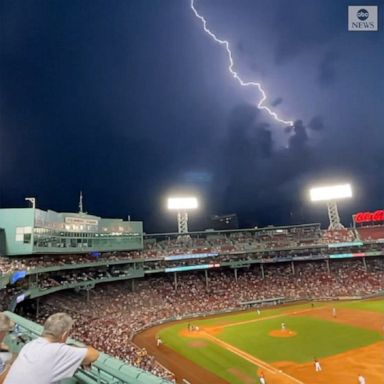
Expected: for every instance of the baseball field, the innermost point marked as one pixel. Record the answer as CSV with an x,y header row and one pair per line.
x,y
280,343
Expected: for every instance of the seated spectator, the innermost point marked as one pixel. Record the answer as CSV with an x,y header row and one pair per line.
x,y
47,359
6,324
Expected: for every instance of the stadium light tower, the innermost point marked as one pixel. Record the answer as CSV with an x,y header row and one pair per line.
x,y
330,195
182,205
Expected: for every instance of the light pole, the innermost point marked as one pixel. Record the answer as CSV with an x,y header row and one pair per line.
x,y
182,205
330,194
32,200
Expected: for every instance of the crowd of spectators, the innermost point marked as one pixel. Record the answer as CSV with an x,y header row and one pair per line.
x,y
371,233
338,236
27,263
115,313
234,242
66,278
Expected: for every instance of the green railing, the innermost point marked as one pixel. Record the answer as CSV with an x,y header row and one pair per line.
x,y
34,292
106,370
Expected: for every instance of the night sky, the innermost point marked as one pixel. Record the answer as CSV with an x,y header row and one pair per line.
x,y
129,100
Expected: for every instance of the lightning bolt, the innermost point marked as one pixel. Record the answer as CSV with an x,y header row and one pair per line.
x,y
231,65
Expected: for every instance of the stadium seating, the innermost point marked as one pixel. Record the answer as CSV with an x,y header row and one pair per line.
x,y
371,233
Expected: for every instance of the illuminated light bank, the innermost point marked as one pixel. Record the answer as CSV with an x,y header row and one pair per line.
x,y
333,192
182,203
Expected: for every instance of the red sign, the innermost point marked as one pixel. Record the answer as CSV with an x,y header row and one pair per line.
x,y
367,217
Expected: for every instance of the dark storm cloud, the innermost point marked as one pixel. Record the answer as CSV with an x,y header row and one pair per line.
x,y
259,171
125,99
257,69
240,47
327,69
248,133
300,137
265,140
248,144
316,123
304,25
277,101
247,56
288,129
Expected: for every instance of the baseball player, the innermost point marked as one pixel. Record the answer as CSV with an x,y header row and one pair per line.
x,y
262,378
361,379
317,365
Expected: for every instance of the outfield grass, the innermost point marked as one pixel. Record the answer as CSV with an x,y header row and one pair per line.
x,y
211,357
315,338
367,305
251,315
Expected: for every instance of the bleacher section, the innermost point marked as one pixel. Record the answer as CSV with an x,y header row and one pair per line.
x,y
338,236
371,233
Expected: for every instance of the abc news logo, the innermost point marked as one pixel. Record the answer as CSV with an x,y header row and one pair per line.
x,y
362,18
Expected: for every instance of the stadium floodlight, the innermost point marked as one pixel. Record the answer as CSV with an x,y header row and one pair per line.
x,y
334,192
330,194
182,205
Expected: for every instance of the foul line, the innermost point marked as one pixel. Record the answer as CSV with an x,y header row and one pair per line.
x,y
249,357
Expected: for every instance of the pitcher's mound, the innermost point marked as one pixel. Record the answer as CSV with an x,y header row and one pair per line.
x,y
280,333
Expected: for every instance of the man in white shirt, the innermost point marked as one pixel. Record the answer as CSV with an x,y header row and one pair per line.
x,y
47,359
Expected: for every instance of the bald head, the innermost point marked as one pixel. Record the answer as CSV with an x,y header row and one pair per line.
x,y
6,324
57,326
